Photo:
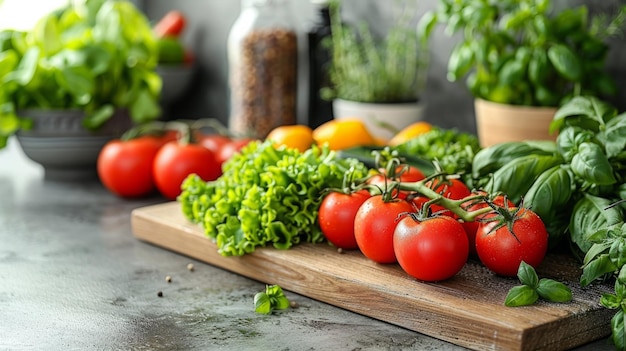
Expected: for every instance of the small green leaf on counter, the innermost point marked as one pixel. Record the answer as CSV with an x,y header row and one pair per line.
x,y
521,295
533,289
273,298
554,291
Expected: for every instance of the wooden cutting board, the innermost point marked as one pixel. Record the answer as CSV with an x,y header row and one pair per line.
x,y
467,310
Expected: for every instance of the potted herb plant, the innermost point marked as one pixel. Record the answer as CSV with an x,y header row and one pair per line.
x,y
523,59
378,80
85,70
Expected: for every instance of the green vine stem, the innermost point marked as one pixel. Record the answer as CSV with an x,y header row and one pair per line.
x,y
455,206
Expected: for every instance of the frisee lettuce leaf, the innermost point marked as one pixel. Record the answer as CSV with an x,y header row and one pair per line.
x,y
266,196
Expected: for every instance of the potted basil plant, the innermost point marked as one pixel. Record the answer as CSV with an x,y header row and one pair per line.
x,y
524,58
378,80
85,70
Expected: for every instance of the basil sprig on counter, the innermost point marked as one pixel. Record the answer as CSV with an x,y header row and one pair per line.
x,y
533,288
273,298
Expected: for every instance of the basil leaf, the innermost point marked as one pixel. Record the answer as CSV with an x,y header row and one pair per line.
x,y
618,328
584,111
595,269
527,275
494,157
590,214
610,301
460,62
592,165
569,139
8,62
615,135
565,62
25,71
548,197
554,291
262,303
521,295
517,176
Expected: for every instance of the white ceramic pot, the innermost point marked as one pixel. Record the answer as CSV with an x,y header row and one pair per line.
x,y
382,119
497,123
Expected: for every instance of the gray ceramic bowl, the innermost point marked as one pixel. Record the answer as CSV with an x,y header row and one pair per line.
x,y
65,149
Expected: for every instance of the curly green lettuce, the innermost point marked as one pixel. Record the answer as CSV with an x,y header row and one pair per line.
x,y
266,196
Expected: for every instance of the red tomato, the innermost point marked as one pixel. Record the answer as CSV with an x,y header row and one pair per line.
x,y
214,142
125,167
453,189
502,251
472,227
433,249
409,173
172,24
174,162
228,150
406,174
374,224
336,217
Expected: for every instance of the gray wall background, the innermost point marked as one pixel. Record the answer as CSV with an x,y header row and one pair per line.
x,y
449,105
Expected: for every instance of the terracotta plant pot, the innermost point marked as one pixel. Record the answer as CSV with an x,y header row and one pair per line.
x,y
66,150
381,119
497,123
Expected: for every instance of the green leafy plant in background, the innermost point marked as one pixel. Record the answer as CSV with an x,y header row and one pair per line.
x,y
521,52
97,56
368,69
568,183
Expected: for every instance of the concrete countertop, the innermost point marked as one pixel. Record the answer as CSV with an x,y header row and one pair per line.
x,y
73,277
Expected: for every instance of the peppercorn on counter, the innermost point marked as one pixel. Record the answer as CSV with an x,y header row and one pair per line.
x,y
75,278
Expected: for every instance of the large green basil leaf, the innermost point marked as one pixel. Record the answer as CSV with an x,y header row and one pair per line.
x,y
592,165
590,215
614,136
539,66
47,36
569,139
517,176
511,72
25,72
492,158
8,62
587,112
79,81
565,62
460,62
549,196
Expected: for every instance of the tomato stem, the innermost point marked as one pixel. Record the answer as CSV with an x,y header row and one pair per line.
x,y
455,206
152,128
183,129
211,123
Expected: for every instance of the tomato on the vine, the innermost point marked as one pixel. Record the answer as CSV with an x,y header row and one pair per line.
x,y
213,142
473,205
229,149
502,248
175,161
403,173
408,173
374,224
125,167
453,189
431,249
336,217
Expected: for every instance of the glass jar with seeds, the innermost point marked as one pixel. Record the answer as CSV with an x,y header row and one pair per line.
x,y
263,56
